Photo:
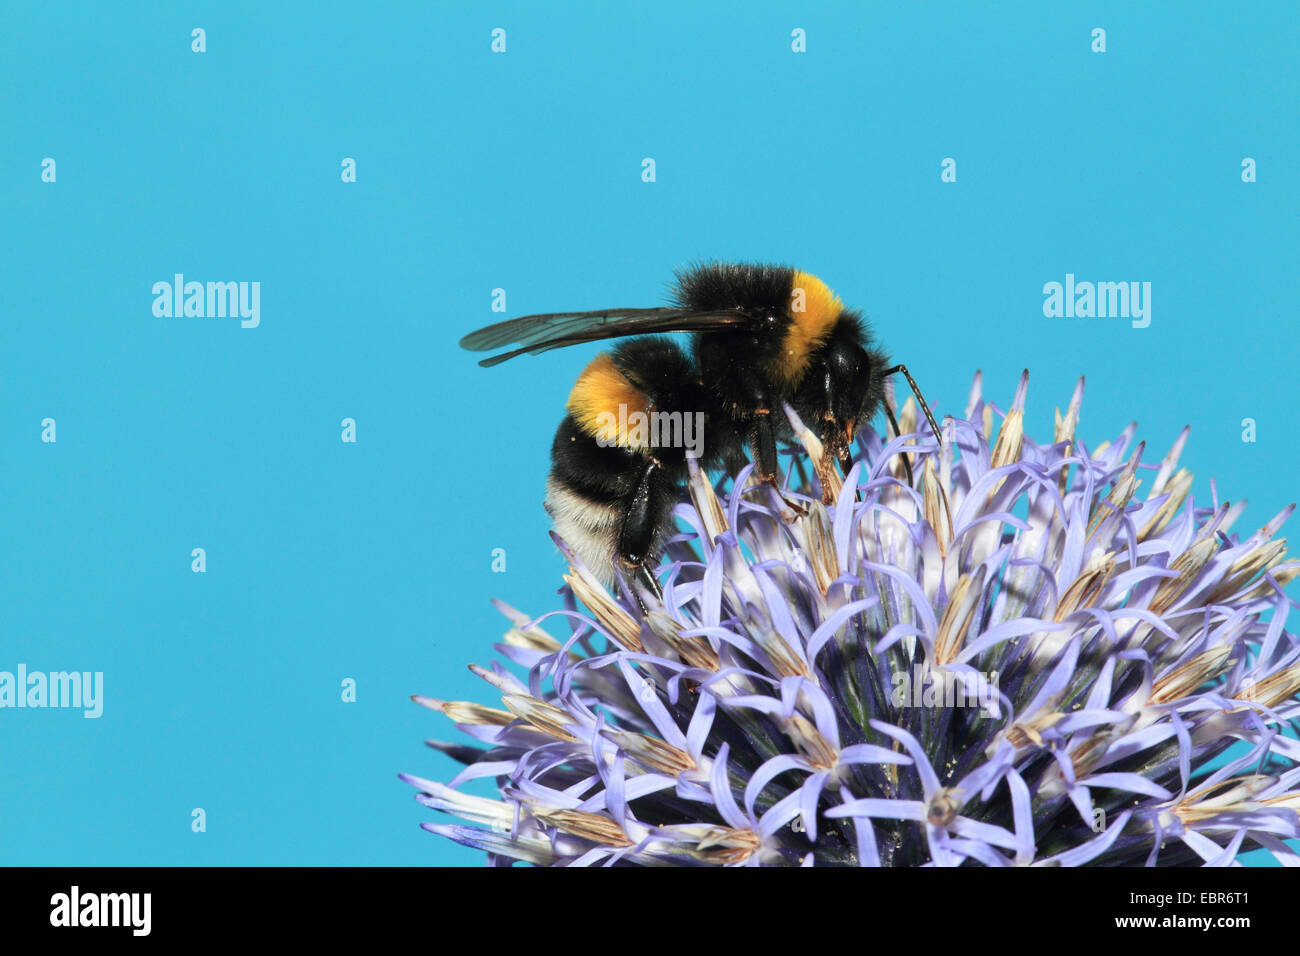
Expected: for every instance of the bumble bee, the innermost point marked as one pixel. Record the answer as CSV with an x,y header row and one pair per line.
x,y
761,336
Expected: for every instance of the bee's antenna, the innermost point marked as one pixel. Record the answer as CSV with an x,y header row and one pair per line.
x,y
919,397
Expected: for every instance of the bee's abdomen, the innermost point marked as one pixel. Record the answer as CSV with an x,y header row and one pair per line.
x,y
635,414
603,396
588,493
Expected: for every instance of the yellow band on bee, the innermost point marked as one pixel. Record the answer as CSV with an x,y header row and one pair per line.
x,y
814,309
598,396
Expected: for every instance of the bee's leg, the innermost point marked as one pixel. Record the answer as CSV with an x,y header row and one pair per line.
x,y
846,465
762,443
641,522
642,587
836,437
651,583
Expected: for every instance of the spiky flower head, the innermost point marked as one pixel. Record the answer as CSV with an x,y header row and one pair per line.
x,y
1021,659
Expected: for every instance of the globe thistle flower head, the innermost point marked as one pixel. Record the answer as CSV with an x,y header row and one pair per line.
x,y
1023,657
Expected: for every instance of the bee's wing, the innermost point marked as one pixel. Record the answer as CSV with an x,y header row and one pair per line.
x,y
553,330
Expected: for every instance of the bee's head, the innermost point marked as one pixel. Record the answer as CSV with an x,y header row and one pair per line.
x,y
844,386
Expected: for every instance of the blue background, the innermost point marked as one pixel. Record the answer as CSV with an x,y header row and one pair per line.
x,y
523,171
